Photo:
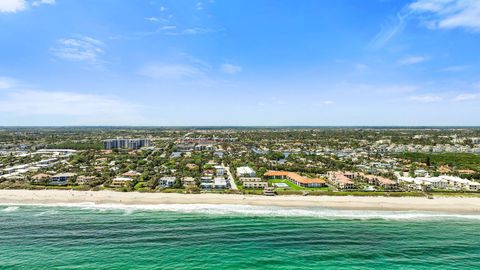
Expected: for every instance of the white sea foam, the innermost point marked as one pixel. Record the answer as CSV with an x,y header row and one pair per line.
x,y
272,211
10,209
47,213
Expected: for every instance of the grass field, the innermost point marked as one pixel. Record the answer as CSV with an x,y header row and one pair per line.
x,y
292,186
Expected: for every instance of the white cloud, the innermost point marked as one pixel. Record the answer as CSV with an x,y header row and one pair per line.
x,y
168,27
82,48
426,98
467,96
12,6
77,107
230,69
389,30
433,14
448,14
43,2
411,60
172,71
6,83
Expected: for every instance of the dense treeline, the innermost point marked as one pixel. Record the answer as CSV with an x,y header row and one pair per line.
x,y
456,160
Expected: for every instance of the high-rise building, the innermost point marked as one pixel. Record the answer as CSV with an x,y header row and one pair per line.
x,y
125,143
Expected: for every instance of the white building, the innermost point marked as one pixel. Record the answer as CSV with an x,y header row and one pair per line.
x,y
245,171
167,181
219,170
220,183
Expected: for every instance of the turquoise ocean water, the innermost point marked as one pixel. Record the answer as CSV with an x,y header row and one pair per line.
x,y
233,237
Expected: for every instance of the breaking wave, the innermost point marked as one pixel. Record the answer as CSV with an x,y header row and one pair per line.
x,y
261,211
10,209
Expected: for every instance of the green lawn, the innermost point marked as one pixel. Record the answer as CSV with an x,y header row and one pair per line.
x,y
295,187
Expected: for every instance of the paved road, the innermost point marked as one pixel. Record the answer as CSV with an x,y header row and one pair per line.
x,y
230,176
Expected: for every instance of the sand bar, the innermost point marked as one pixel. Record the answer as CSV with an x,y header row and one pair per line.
x,y
442,204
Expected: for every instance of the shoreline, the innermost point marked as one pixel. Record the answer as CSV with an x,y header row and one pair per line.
x,y
48,197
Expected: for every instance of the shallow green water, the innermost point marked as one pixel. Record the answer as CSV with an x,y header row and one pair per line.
x,y
233,237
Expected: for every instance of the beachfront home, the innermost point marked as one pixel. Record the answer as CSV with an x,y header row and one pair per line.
x,y
41,177
206,182
61,179
85,180
189,182
245,171
220,183
167,181
296,179
120,181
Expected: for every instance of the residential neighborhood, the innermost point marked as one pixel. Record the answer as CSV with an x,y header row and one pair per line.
x,y
250,161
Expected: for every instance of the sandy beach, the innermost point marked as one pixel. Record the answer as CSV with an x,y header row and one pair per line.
x,y
443,204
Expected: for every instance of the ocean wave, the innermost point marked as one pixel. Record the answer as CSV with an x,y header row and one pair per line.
x,y
47,213
10,209
264,211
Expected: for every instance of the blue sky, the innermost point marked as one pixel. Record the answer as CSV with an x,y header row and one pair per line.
x,y
239,62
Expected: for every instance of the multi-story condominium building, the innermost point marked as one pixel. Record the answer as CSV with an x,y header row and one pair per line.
x,y
341,179
125,143
253,182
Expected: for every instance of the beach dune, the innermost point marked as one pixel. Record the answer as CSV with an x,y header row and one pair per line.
x,y
443,204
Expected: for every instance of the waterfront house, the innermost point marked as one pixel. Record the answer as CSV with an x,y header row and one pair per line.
x,y
120,181
85,180
188,182
167,181
220,183
61,179
38,178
